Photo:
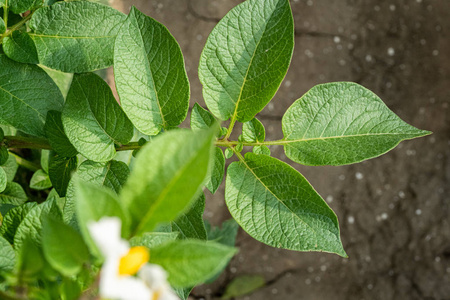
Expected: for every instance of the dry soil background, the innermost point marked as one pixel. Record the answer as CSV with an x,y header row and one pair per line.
x,y
394,210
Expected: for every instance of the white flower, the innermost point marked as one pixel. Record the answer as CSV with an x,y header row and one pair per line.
x,y
122,262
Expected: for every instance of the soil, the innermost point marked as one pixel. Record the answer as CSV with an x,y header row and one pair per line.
x,y
393,210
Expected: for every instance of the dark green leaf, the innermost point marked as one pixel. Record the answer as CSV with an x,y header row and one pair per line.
x,y
3,180
150,76
246,57
217,171
167,176
93,120
19,46
57,138
7,256
31,225
13,194
60,171
63,247
26,94
253,131
225,235
76,36
190,224
2,25
191,262
13,219
112,174
21,6
277,206
201,118
40,181
341,123
10,167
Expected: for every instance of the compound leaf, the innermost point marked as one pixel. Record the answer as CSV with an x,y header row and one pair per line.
x,y
76,36
277,206
93,120
150,76
246,57
341,123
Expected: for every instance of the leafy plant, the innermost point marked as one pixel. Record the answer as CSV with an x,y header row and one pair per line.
x,y
82,143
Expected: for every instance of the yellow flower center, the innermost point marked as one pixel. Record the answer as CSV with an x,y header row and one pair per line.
x,y
133,260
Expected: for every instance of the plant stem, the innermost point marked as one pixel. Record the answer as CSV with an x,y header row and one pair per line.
x,y
16,26
5,14
20,142
26,163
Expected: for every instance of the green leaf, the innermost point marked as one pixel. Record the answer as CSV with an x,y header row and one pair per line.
x,y
21,6
112,174
191,262
153,239
7,256
341,123
276,205
228,153
225,235
62,80
40,181
19,46
93,203
190,223
10,167
217,171
26,94
201,118
2,25
12,220
150,76
253,131
30,260
93,120
57,138
76,37
60,171
46,155
246,57
243,285
4,155
13,194
263,149
63,247
31,225
168,174
3,180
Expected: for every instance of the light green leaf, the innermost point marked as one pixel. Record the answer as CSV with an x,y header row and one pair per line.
x,y
12,220
253,131
3,180
276,205
19,46
190,223
63,247
112,174
341,123
263,149
7,256
153,239
31,225
26,94
217,171
167,176
92,204
201,118
228,153
45,158
76,37
10,167
150,76
40,181
62,80
13,194
246,57
93,120
60,171
57,138
21,6
243,285
2,24
191,262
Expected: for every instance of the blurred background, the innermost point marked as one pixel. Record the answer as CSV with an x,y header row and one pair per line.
x,y
394,211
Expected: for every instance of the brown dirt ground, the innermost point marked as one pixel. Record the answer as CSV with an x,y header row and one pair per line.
x,y
394,210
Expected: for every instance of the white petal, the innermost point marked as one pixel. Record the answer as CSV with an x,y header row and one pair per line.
x,y
154,275
106,234
168,294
